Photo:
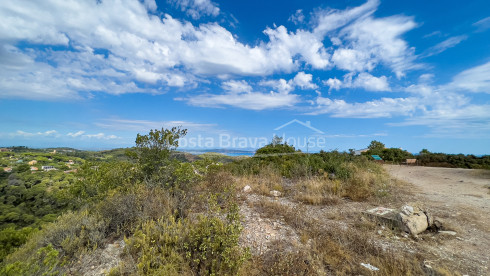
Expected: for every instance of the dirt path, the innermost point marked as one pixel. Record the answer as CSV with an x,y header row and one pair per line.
x,y
459,197
454,187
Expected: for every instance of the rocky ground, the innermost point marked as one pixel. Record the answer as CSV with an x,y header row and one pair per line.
x,y
459,198
456,197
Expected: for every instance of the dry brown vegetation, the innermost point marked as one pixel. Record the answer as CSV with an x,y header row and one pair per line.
x,y
337,238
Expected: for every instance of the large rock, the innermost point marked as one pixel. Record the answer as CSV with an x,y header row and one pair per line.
x,y
413,220
409,218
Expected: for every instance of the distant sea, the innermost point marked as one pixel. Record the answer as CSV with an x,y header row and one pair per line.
x,y
222,151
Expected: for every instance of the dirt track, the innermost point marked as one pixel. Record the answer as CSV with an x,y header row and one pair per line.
x,y
459,197
455,187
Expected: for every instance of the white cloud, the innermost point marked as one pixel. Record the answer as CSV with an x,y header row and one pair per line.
x,y
301,80
76,134
237,86
114,46
444,45
334,83
197,8
353,60
55,134
146,125
377,40
384,107
284,45
101,135
443,108
425,78
25,134
483,24
329,20
363,80
298,17
248,100
304,81
371,83
476,79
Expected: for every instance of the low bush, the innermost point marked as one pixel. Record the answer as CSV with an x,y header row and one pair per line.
x,y
207,245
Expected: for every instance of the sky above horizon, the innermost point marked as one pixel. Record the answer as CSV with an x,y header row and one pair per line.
x,y
323,74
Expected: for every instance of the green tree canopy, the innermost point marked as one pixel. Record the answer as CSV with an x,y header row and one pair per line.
x,y
152,151
376,146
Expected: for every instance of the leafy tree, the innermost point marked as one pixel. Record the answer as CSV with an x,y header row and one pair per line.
x,y
376,146
22,168
152,151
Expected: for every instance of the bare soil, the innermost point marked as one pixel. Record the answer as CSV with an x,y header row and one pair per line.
x,y
460,198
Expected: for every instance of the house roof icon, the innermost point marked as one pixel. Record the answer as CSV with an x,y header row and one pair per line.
x,y
305,124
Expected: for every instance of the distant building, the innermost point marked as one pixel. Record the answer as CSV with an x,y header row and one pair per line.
x,y
33,162
5,150
359,152
34,168
7,170
48,168
70,162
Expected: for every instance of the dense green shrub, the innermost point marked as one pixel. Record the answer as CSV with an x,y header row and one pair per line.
x,y
207,245
426,158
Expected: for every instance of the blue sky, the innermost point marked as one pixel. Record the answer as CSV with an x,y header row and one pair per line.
x,y
93,74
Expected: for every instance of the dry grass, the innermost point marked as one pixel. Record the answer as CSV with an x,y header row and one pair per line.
x,y
337,249
267,180
318,191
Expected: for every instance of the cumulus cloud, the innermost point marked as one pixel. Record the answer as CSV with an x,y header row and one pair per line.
x,y
301,80
240,94
197,8
76,134
443,108
298,17
125,47
334,83
363,80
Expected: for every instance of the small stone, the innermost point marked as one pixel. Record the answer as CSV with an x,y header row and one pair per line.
x,y
275,193
452,233
247,189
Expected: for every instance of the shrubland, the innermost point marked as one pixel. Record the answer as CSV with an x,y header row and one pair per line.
x,y
181,217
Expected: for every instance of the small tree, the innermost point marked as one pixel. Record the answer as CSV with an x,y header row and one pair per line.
x,y
376,146
153,150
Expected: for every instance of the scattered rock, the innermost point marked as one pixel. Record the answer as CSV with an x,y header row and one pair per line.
x,y
452,233
370,267
275,193
247,189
